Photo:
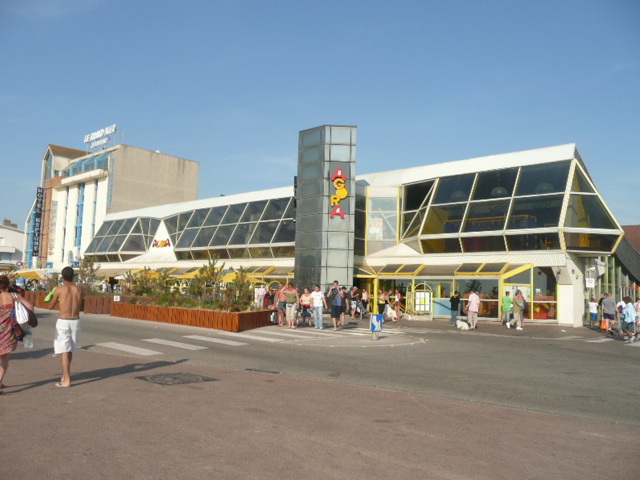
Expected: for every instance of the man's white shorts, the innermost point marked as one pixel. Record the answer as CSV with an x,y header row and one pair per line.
x,y
67,336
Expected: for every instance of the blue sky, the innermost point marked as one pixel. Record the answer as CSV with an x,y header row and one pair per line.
x,y
230,83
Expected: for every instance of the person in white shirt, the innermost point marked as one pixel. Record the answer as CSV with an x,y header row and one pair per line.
x,y
318,300
260,294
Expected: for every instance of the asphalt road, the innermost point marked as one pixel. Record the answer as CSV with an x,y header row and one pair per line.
x,y
425,401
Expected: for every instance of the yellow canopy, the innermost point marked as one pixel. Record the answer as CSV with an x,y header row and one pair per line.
x,y
188,276
29,275
230,277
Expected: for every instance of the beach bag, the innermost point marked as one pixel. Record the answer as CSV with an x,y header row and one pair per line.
x,y
25,317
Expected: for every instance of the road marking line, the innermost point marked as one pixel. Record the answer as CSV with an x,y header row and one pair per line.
x,y
216,340
129,349
634,344
251,337
283,334
351,332
169,343
600,340
570,337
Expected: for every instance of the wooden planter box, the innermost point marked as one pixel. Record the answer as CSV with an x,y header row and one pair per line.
x,y
99,304
228,321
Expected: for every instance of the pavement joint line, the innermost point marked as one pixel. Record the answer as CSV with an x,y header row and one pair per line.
x,y
216,340
170,343
129,349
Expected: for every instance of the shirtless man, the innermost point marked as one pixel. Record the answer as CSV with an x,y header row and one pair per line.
x,y
281,302
68,324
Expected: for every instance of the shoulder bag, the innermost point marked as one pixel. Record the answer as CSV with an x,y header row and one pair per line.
x,y
26,318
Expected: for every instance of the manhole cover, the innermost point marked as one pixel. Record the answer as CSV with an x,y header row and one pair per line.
x,y
176,378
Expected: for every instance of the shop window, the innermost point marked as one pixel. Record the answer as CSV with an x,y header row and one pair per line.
x,y
495,184
486,216
441,245
590,241
444,219
483,244
454,189
543,179
535,212
539,241
587,211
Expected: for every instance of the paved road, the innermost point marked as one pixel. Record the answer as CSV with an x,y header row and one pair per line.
x,y
423,402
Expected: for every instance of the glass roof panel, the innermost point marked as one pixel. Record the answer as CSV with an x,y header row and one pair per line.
x,y
587,211
242,234
126,226
186,239
171,223
117,243
135,243
153,227
545,178
486,216
410,269
115,227
104,245
264,232
275,209
468,268
137,228
183,220
535,212
254,211
493,268
234,213
198,217
390,268
92,246
222,235
290,212
455,189
215,216
204,237
104,228
495,184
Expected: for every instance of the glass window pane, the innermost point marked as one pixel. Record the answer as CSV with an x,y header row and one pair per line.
x,y
186,239
260,252
486,216
416,224
382,226
275,209
183,255
135,243
579,183
238,252
137,228
544,284
264,232
384,204
416,194
215,216
541,179
587,211
290,212
222,235
284,252
540,241
104,246
117,243
590,241
204,237
441,245
92,246
444,219
495,184
286,233
535,212
126,226
455,189
198,218
153,227
483,244
115,227
469,268
493,268
220,253
242,234
171,223
183,220
200,254
104,228
254,211
144,224
234,213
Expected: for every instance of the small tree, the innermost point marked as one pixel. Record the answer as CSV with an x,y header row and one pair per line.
x,y
238,296
86,274
209,277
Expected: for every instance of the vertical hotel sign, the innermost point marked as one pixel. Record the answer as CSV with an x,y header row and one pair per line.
x,y
37,223
339,180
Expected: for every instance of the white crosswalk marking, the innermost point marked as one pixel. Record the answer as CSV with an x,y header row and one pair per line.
x,y
216,340
185,346
250,337
600,340
284,334
129,349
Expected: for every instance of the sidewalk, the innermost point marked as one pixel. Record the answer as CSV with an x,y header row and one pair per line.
x,y
116,424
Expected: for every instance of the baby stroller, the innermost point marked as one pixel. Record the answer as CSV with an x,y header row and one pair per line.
x,y
305,313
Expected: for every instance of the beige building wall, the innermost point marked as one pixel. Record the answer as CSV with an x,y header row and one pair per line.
x,y
142,178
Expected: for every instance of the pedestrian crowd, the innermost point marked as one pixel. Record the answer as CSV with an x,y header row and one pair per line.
x,y
616,319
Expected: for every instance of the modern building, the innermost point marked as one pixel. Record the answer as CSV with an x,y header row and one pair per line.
x,y
531,221
78,189
11,245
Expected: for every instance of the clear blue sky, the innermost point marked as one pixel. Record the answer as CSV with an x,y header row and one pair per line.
x,y
230,83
